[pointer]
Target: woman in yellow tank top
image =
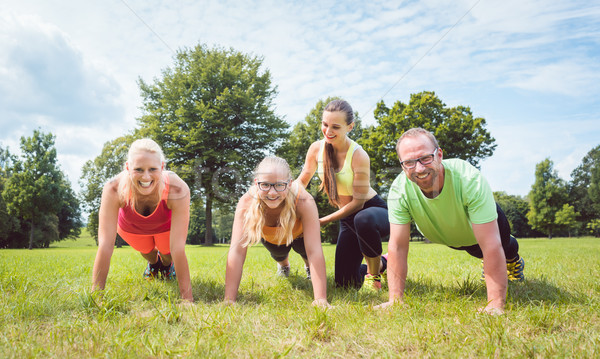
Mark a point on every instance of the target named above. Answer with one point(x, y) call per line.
point(344, 169)
point(282, 215)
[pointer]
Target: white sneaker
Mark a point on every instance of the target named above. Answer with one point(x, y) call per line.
point(283, 271)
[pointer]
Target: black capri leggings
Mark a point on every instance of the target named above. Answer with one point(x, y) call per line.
point(509, 243)
point(281, 252)
point(360, 235)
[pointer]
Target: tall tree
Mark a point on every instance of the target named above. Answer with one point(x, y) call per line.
point(294, 152)
point(459, 133)
point(9, 224)
point(547, 196)
point(37, 192)
point(566, 218)
point(212, 113)
point(95, 173)
point(585, 179)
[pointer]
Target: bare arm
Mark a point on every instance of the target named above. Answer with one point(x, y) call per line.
point(237, 253)
point(494, 265)
point(361, 187)
point(397, 265)
point(397, 268)
point(310, 165)
point(179, 203)
point(307, 211)
point(107, 233)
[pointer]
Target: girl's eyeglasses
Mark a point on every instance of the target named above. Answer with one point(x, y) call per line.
point(266, 186)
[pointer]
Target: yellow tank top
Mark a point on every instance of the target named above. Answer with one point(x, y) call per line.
point(345, 177)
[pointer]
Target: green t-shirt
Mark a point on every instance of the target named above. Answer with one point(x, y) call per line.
point(465, 198)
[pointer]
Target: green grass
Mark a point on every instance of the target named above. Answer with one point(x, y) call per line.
point(46, 309)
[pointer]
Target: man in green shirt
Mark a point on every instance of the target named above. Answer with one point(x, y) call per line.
point(451, 203)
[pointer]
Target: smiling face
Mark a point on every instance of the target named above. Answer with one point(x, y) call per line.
point(430, 177)
point(145, 170)
point(270, 174)
point(334, 126)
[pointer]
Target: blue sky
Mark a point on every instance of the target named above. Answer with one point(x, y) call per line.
point(530, 68)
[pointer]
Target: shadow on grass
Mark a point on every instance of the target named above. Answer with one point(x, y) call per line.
point(537, 290)
point(530, 291)
point(207, 291)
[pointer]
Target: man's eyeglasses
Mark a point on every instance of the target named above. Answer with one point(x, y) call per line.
point(425, 160)
point(266, 186)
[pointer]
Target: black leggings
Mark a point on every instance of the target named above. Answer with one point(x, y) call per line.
point(280, 253)
point(509, 243)
point(360, 235)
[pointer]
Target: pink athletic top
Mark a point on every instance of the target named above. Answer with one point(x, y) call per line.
point(158, 221)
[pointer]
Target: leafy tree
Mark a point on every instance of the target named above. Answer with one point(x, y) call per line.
point(582, 189)
point(594, 227)
point(197, 230)
point(9, 225)
point(294, 152)
point(459, 134)
point(224, 223)
point(96, 173)
point(212, 113)
point(566, 218)
point(547, 197)
point(36, 193)
point(594, 188)
point(516, 208)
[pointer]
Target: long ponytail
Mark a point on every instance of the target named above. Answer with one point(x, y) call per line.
point(329, 184)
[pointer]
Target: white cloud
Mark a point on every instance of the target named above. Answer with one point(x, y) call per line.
point(532, 55)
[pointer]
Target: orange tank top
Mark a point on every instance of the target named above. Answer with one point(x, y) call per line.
point(270, 233)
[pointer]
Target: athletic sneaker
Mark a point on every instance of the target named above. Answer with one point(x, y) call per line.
point(372, 283)
point(168, 272)
point(283, 271)
point(151, 271)
point(383, 269)
point(307, 269)
point(515, 270)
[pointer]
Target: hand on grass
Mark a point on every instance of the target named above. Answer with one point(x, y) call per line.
point(388, 305)
point(229, 302)
point(186, 303)
point(321, 303)
point(491, 310)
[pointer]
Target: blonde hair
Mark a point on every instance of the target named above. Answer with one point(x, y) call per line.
point(126, 193)
point(254, 220)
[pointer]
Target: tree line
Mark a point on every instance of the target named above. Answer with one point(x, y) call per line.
point(37, 205)
point(212, 112)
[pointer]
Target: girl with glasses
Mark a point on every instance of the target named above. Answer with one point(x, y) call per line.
point(344, 169)
point(149, 208)
point(283, 216)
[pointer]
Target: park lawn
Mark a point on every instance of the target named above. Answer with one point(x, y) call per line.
point(46, 309)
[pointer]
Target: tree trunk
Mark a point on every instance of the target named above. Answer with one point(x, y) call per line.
point(31, 235)
point(208, 234)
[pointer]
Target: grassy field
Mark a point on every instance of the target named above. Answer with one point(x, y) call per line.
point(46, 309)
